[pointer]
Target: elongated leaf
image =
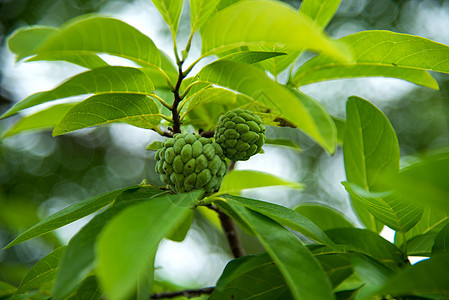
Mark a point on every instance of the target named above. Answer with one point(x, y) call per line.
point(79, 259)
point(264, 22)
point(302, 272)
point(428, 277)
point(26, 40)
point(170, 11)
point(320, 11)
point(200, 12)
point(42, 120)
point(421, 245)
point(370, 148)
point(397, 214)
point(238, 180)
point(180, 232)
point(43, 271)
point(441, 241)
point(284, 216)
point(247, 276)
point(302, 111)
point(68, 215)
point(426, 183)
point(369, 243)
point(336, 266)
point(208, 95)
point(324, 217)
point(289, 144)
point(105, 80)
point(102, 35)
point(251, 57)
point(432, 221)
point(124, 247)
point(133, 109)
point(381, 53)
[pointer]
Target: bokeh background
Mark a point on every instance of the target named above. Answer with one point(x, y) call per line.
point(40, 175)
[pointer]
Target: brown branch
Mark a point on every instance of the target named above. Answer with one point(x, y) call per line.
point(175, 114)
point(231, 232)
point(186, 293)
point(207, 134)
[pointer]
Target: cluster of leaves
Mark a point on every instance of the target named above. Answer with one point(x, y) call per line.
point(113, 255)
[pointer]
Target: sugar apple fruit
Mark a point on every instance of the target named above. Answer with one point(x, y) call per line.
point(188, 161)
point(240, 133)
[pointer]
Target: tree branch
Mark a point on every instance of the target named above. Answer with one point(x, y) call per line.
point(186, 293)
point(174, 110)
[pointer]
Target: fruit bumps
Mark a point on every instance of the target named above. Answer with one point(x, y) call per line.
point(240, 133)
point(188, 161)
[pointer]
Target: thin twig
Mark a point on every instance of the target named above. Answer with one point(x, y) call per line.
point(186, 293)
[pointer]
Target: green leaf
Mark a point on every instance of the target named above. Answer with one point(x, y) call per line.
point(441, 241)
point(238, 180)
point(43, 120)
point(88, 289)
point(320, 11)
point(428, 277)
point(264, 22)
point(208, 95)
point(284, 216)
point(381, 53)
point(301, 110)
point(79, 258)
point(6, 289)
point(134, 109)
point(102, 35)
point(421, 245)
point(106, 80)
point(252, 57)
point(426, 183)
point(432, 221)
point(284, 143)
point(397, 214)
point(368, 243)
point(26, 40)
point(336, 266)
point(170, 11)
point(302, 272)
point(247, 276)
point(324, 217)
point(180, 232)
point(154, 146)
point(126, 243)
point(370, 148)
point(68, 215)
point(43, 271)
point(200, 12)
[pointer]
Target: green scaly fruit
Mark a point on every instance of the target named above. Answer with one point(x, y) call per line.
point(240, 133)
point(189, 161)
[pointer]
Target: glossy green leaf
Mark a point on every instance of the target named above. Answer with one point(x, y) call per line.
point(247, 276)
point(381, 53)
point(88, 289)
point(93, 35)
point(133, 109)
point(79, 258)
point(284, 216)
point(336, 266)
point(170, 11)
point(156, 145)
point(43, 271)
point(397, 214)
point(421, 245)
point(208, 95)
point(26, 40)
point(180, 232)
point(368, 243)
point(238, 180)
point(428, 277)
point(370, 148)
point(68, 215)
point(126, 243)
point(441, 241)
point(105, 80)
point(324, 217)
point(200, 12)
point(426, 183)
point(43, 120)
point(6, 289)
point(284, 143)
point(264, 22)
point(302, 272)
point(301, 110)
point(432, 221)
point(320, 11)
point(279, 63)
point(252, 57)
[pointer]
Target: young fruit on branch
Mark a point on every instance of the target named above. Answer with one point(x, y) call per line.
point(240, 133)
point(189, 161)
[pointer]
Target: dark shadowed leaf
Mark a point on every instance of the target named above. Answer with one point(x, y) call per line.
point(441, 241)
point(89, 289)
point(324, 217)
